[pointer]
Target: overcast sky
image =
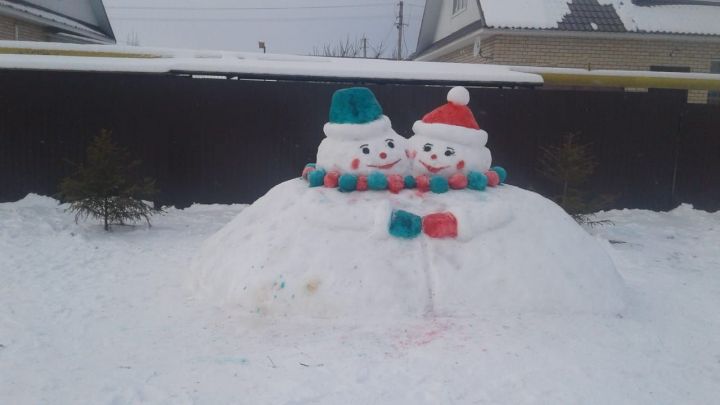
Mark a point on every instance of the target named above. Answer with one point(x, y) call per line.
point(287, 26)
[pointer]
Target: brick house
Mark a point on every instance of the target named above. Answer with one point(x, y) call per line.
point(75, 21)
point(658, 35)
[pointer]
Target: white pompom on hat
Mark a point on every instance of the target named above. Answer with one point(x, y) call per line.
point(453, 122)
point(459, 95)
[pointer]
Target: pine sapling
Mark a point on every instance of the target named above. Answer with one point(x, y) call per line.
point(569, 165)
point(106, 187)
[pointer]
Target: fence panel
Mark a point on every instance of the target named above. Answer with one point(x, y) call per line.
point(224, 141)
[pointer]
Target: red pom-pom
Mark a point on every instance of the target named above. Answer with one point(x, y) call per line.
point(307, 171)
point(423, 183)
point(331, 179)
point(493, 178)
point(440, 225)
point(396, 183)
point(458, 181)
point(361, 183)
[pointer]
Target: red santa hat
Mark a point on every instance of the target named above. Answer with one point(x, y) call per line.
point(453, 122)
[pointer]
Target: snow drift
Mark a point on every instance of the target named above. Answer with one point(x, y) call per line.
point(317, 252)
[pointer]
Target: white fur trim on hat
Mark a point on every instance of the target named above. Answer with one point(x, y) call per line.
point(452, 133)
point(357, 132)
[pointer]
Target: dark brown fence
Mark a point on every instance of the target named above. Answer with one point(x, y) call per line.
point(222, 141)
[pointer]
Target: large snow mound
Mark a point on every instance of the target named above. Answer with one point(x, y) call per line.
point(316, 252)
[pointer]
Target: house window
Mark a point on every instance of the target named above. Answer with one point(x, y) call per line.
point(714, 95)
point(459, 6)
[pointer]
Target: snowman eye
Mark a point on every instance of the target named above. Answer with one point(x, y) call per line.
point(390, 143)
point(449, 152)
point(427, 147)
point(365, 149)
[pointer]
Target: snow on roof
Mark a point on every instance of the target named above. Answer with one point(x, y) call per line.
point(49, 15)
point(669, 18)
point(524, 13)
point(687, 18)
point(114, 58)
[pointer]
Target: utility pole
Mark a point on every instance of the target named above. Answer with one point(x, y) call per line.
point(400, 31)
point(364, 47)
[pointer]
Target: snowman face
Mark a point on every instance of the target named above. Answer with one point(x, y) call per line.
point(387, 154)
point(379, 154)
point(434, 157)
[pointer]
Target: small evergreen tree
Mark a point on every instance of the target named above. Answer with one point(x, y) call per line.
point(569, 165)
point(105, 186)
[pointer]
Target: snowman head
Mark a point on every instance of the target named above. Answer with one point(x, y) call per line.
point(448, 140)
point(359, 138)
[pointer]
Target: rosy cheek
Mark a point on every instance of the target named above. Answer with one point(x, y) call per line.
point(461, 165)
point(355, 164)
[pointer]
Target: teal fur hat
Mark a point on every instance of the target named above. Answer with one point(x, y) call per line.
point(355, 114)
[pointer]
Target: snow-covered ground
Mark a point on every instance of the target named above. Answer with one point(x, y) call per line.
point(103, 318)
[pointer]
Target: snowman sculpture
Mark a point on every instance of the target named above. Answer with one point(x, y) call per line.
point(448, 152)
point(375, 231)
point(449, 144)
point(361, 150)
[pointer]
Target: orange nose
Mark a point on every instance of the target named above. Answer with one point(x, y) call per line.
point(433, 157)
point(383, 155)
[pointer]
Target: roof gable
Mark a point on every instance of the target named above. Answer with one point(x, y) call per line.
point(83, 17)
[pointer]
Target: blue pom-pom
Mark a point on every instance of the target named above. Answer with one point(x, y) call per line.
point(410, 182)
point(377, 181)
point(316, 178)
point(502, 173)
point(405, 225)
point(347, 182)
point(439, 185)
point(477, 181)
point(310, 165)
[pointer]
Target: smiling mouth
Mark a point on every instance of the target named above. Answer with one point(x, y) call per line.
point(433, 169)
point(385, 167)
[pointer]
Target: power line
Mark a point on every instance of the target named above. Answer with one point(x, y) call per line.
point(389, 31)
point(296, 18)
point(228, 8)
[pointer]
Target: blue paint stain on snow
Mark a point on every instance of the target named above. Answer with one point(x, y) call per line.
point(223, 360)
point(233, 360)
point(282, 285)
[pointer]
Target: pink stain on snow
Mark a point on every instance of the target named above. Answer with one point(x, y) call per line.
point(424, 335)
